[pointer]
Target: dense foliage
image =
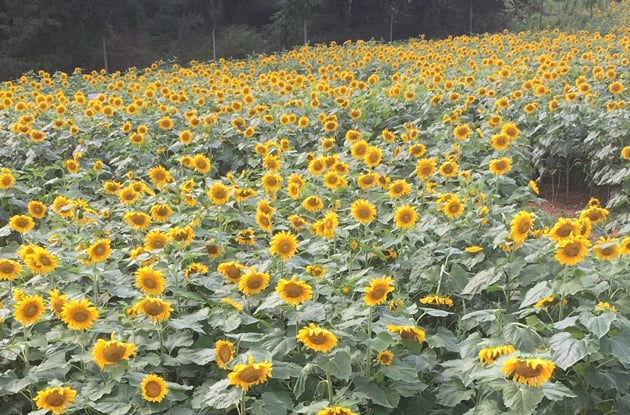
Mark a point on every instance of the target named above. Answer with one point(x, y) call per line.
point(338, 229)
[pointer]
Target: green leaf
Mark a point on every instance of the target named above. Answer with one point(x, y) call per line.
point(524, 338)
point(523, 400)
point(190, 321)
point(272, 403)
point(598, 325)
point(567, 350)
point(444, 338)
point(536, 293)
point(434, 312)
point(452, 393)
point(366, 389)
point(555, 391)
point(401, 373)
point(337, 365)
point(313, 408)
point(112, 407)
point(17, 385)
point(221, 396)
point(198, 356)
point(620, 346)
point(481, 281)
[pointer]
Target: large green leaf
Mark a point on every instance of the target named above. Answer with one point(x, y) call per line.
point(523, 400)
point(535, 293)
point(566, 350)
point(598, 325)
point(556, 391)
point(222, 396)
point(365, 388)
point(453, 392)
point(481, 281)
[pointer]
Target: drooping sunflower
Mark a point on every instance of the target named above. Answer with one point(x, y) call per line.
point(363, 211)
point(153, 388)
point(29, 309)
point(405, 217)
point(55, 399)
point(253, 282)
point(155, 239)
point(408, 332)
point(246, 237)
point(398, 188)
point(79, 315)
point(336, 410)
point(284, 244)
point(487, 355)
point(606, 249)
point(572, 250)
point(21, 223)
point(376, 292)
point(56, 301)
point(109, 352)
point(195, 268)
point(201, 163)
point(150, 281)
point(100, 250)
point(437, 300)
point(293, 291)
point(154, 308)
point(137, 220)
point(520, 226)
point(231, 271)
point(473, 249)
point(500, 166)
point(159, 176)
point(161, 212)
point(317, 338)
point(385, 358)
point(224, 353)
point(313, 204)
point(36, 209)
point(247, 375)
point(9, 269)
point(528, 371)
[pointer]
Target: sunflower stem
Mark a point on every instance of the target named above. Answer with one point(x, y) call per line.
point(25, 352)
point(369, 348)
point(330, 388)
point(563, 295)
point(95, 285)
point(242, 408)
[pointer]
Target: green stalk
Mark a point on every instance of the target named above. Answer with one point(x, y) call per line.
point(563, 295)
point(369, 348)
point(330, 388)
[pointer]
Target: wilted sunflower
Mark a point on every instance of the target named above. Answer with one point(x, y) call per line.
point(437, 300)
point(137, 220)
point(150, 281)
point(155, 239)
point(408, 332)
point(246, 375)
point(487, 355)
point(376, 292)
point(363, 211)
point(9, 269)
point(109, 352)
point(55, 399)
point(317, 338)
point(29, 309)
point(79, 315)
point(336, 410)
point(520, 226)
point(572, 250)
point(253, 282)
point(293, 291)
point(100, 250)
point(606, 248)
point(528, 371)
point(500, 166)
point(36, 209)
point(385, 358)
point(224, 353)
point(284, 244)
point(405, 217)
point(159, 176)
point(153, 388)
point(155, 308)
point(21, 223)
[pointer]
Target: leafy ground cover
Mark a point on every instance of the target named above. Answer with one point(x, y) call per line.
point(339, 229)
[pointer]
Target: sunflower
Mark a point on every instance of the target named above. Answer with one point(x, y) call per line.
point(520, 226)
point(312, 204)
point(150, 281)
point(36, 209)
point(128, 195)
point(100, 250)
point(155, 239)
point(39, 260)
point(109, 352)
point(368, 180)
point(29, 309)
point(545, 302)
point(154, 308)
point(264, 221)
point(165, 123)
point(385, 358)
point(137, 220)
point(606, 248)
point(500, 142)
point(315, 270)
point(461, 132)
point(373, 156)
point(426, 168)
point(332, 180)
point(153, 388)
point(316, 166)
point(253, 282)
point(21, 223)
point(595, 214)
point(224, 353)
point(625, 153)
point(201, 163)
point(9, 269)
point(363, 211)
point(112, 187)
point(284, 244)
point(317, 338)
point(336, 410)
point(325, 227)
point(56, 302)
point(407, 332)
point(294, 292)
point(246, 375)
point(500, 166)
point(453, 207)
point(376, 292)
point(603, 306)
point(487, 355)
point(359, 149)
point(510, 130)
point(79, 315)
point(572, 250)
point(624, 246)
point(195, 268)
point(398, 188)
point(161, 212)
point(449, 168)
point(184, 235)
point(437, 300)
point(159, 176)
point(6, 179)
point(55, 399)
point(405, 217)
point(564, 228)
point(534, 186)
point(185, 137)
point(231, 271)
point(529, 371)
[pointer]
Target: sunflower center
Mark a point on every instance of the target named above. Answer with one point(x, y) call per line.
point(80, 316)
point(254, 282)
point(447, 169)
point(153, 389)
point(55, 399)
point(405, 217)
point(285, 247)
point(501, 165)
point(564, 231)
point(249, 375)
point(378, 292)
point(6, 268)
point(114, 353)
point(319, 338)
point(233, 272)
point(225, 353)
point(99, 249)
point(527, 371)
point(453, 207)
point(523, 227)
point(149, 282)
point(293, 290)
point(153, 309)
point(607, 251)
point(572, 249)
point(31, 310)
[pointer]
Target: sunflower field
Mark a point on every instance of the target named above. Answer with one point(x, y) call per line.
point(335, 230)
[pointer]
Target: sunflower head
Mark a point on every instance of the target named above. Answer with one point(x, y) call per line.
point(376, 292)
point(293, 291)
point(109, 352)
point(247, 375)
point(284, 244)
point(79, 315)
point(153, 388)
point(317, 338)
point(528, 371)
point(55, 399)
point(224, 353)
point(29, 309)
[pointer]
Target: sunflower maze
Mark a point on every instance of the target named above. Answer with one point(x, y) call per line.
point(339, 229)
